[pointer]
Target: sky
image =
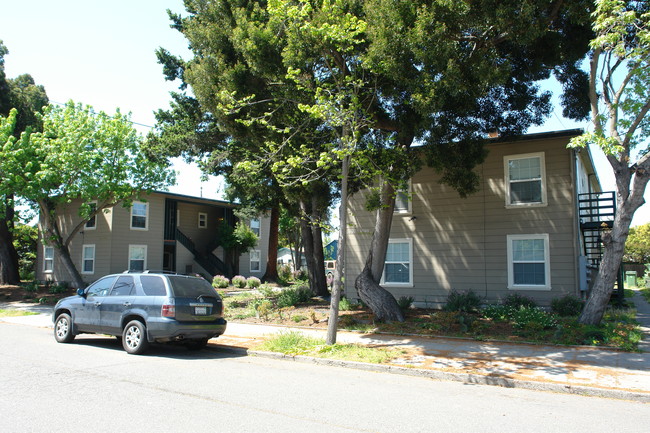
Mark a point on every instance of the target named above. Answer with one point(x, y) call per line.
point(102, 53)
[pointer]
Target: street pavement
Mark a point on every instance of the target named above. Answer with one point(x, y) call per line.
point(583, 370)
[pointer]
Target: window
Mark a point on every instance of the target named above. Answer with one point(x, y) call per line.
point(403, 199)
point(203, 220)
point(153, 286)
point(398, 270)
point(91, 224)
point(528, 262)
point(255, 260)
point(137, 257)
point(125, 286)
point(525, 179)
point(255, 226)
point(48, 259)
point(101, 287)
point(139, 215)
point(88, 259)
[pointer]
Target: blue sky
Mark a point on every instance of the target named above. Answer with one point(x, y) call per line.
point(102, 54)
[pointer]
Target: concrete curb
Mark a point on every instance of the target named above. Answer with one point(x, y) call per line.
point(472, 379)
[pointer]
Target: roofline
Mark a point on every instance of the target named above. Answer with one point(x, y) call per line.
point(193, 198)
point(539, 136)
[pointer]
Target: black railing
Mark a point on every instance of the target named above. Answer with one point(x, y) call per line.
point(596, 212)
point(208, 261)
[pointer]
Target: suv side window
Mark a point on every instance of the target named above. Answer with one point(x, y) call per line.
point(101, 287)
point(124, 286)
point(153, 286)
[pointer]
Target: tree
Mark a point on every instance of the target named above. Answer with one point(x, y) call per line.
point(637, 246)
point(79, 155)
point(619, 93)
point(24, 95)
point(25, 242)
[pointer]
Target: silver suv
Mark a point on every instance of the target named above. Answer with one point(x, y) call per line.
point(142, 308)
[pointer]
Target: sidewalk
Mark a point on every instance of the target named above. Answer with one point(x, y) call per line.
point(580, 370)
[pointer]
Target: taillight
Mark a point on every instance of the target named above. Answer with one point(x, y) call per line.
point(168, 310)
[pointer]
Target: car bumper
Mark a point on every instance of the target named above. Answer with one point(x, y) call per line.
point(171, 330)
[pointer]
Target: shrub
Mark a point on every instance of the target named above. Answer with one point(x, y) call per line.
point(291, 297)
point(345, 304)
point(566, 306)
point(466, 302)
point(405, 303)
point(59, 288)
point(220, 282)
point(502, 313)
point(239, 281)
point(266, 291)
point(253, 282)
point(532, 318)
point(516, 300)
point(31, 287)
point(284, 273)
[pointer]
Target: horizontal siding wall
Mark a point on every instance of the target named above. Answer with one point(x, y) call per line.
point(461, 243)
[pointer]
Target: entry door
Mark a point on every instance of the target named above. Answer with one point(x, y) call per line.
point(116, 304)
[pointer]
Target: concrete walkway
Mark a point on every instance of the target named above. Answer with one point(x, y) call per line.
point(643, 316)
point(581, 370)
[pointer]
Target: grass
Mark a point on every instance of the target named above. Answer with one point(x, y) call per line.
point(296, 343)
point(16, 313)
point(646, 294)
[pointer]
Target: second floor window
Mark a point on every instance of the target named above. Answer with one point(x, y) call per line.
point(139, 215)
point(255, 226)
point(48, 259)
point(203, 220)
point(525, 181)
point(91, 224)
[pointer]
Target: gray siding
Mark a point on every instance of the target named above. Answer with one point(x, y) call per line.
point(461, 243)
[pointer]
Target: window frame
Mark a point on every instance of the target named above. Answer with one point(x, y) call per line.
point(542, 165)
point(205, 220)
point(129, 260)
point(259, 227)
point(46, 259)
point(146, 216)
point(251, 261)
point(83, 259)
point(93, 219)
point(511, 262)
point(410, 283)
point(409, 200)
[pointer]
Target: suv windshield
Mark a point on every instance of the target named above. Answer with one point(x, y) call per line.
point(190, 287)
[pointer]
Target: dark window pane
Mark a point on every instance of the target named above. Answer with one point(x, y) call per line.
point(532, 274)
point(153, 286)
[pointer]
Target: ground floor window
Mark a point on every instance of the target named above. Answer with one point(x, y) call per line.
point(529, 262)
point(255, 260)
point(88, 259)
point(398, 268)
point(48, 259)
point(137, 258)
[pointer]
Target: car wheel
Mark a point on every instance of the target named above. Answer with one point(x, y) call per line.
point(63, 328)
point(196, 344)
point(134, 338)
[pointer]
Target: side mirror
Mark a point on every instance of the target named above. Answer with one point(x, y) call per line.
point(81, 292)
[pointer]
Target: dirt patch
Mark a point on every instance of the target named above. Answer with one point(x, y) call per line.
point(35, 294)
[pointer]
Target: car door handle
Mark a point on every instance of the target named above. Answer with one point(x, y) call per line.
point(97, 304)
point(127, 304)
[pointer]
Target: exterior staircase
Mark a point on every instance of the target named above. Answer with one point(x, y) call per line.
point(208, 261)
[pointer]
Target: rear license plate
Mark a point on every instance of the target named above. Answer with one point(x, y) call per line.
point(201, 311)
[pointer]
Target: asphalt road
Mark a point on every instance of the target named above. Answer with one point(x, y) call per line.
point(93, 386)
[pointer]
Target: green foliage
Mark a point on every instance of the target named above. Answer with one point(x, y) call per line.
point(637, 246)
point(517, 300)
point(241, 238)
point(346, 305)
point(567, 306)
point(220, 282)
point(253, 282)
point(59, 288)
point(25, 241)
point(529, 318)
point(292, 297)
point(32, 286)
point(405, 302)
point(285, 274)
point(239, 281)
point(466, 301)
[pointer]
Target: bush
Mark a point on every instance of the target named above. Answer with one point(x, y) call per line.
point(59, 288)
point(239, 281)
point(516, 300)
point(220, 282)
point(266, 291)
point(31, 287)
point(566, 306)
point(345, 304)
point(253, 282)
point(532, 319)
point(502, 313)
point(292, 297)
point(466, 302)
point(405, 303)
point(284, 273)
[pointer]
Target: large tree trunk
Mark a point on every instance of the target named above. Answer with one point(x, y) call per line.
point(379, 300)
point(319, 253)
point(271, 273)
point(317, 283)
point(9, 266)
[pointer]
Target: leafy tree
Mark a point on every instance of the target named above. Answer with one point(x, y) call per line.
point(619, 92)
point(25, 242)
point(236, 241)
point(24, 95)
point(82, 155)
point(637, 246)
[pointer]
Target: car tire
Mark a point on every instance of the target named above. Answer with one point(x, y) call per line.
point(196, 344)
point(63, 328)
point(134, 338)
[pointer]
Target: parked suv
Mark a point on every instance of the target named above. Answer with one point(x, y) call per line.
point(142, 308)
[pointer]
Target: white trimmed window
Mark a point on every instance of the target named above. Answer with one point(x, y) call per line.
point(91, 224)
point(398, 268)
point(403, 199)
point(88, 259)
point(255, 226)
point(137, 257)
point(525, 179)
point(255, 260)
point(203, 220)
point(48, 259)
point(529, 262)
point(139, 216)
